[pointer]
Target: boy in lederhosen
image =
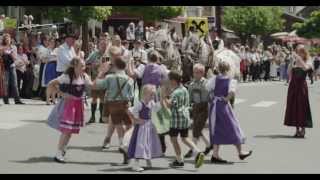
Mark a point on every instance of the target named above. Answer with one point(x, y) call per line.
point(199, 101)
point(119, 91)
point(93, 61)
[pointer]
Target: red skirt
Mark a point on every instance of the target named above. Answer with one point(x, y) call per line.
point(298, 113)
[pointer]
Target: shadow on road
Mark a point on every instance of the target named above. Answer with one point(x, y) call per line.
point(46, 159)
point(275, 136)
point(35, 121)
point(93, 149)
point(128, 169)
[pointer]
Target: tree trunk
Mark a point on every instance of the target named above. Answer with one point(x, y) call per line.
point(218, 20)
point(85, 37)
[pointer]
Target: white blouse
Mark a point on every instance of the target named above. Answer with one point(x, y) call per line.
point(212, 83)
point(135, 110)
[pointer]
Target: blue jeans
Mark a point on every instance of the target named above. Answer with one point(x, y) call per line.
point(11, 84)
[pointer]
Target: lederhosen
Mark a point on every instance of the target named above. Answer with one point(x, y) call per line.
point(199, 114)
point(94, 92)
point(118, 109)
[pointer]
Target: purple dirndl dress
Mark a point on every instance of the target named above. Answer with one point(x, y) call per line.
point(145, 142)
point(224, 128)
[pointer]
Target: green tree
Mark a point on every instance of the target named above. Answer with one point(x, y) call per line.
point(253, 20)
point(80, 15)
point(151, 13)
point(309, 28)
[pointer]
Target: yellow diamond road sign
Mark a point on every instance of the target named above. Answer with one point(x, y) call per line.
point(200, 25)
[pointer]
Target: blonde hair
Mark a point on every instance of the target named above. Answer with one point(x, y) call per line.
point(224, 67)
point(305, 53)
point(148, 88)
point(199, 66)
point(114, 50)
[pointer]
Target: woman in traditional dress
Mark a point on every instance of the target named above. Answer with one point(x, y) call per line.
point(50, 71)
point(224, 127)
point(298, 113)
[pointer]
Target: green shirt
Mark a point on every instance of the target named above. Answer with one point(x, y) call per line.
point(95, 58)
point(112, 88)
point(198, 91)
point(180, 108)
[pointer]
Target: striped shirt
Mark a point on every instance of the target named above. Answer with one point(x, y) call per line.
point(180, 108)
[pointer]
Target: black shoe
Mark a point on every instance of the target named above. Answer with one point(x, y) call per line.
point(189, 154)
point(101, 121)
point(243, 156)
point(19, 102)
point(125, 156)
point(6, 102)
point(92, 120)
point(176, 164)
point(219, 161)
point(207, 150)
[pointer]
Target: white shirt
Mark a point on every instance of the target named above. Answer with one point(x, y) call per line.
point(130, 34)
point(42, 53)
point(135, 110)
point(212, 83)
point(65, 55)
point(21, 62)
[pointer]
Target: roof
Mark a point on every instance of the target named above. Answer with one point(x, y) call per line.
point(297, 18)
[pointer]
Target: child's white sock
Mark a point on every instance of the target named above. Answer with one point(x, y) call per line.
point(179, 158)
point(120, 142)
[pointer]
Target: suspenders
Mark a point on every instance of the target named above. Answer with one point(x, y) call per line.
point(119, 93)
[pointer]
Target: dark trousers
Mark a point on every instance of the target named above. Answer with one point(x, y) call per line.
point(20, 77)
point(163, 142)
point(310, 74)
point(267, 70)
point(11, 84)
point(28, 78)
point(41, 91)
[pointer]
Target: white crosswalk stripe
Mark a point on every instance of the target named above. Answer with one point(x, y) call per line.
point(239, 101)
point(264, 104)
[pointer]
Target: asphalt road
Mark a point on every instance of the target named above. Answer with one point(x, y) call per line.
point(28, 144)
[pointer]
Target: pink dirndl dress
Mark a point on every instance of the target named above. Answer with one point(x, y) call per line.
point(68, 115)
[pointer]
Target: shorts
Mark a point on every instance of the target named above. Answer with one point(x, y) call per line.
point(199, 116)
point(98, 94)
point(119, 111)
point(173, 132)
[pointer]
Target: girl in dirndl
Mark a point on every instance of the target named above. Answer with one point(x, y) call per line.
point(145, 142)
point(224, 127)
point(68, 115)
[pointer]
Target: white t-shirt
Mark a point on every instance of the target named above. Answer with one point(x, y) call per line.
point(64, 79)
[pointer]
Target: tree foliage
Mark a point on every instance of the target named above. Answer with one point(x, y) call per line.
point(253, 20)
point(79, 14)
point(309, 28)
point(151, 13)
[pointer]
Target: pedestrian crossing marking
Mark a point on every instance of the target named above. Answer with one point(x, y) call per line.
point(264, 104)
point(238, 101)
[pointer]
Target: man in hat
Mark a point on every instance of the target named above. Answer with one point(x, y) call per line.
point(66, 53)
point(216, 41)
